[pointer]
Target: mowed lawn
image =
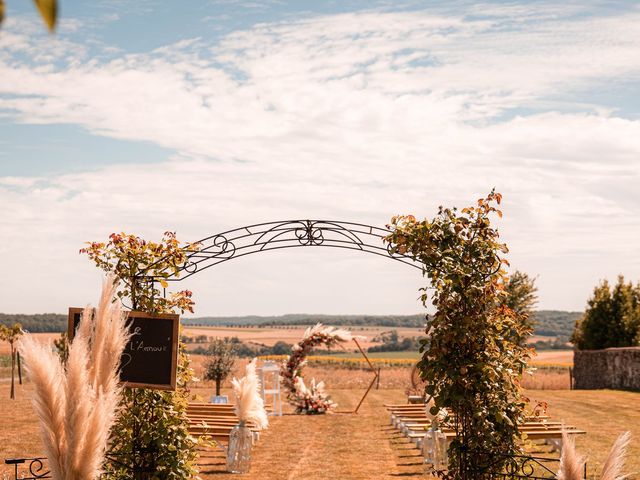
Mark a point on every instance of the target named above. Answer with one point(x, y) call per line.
point(362, 446)
point(604, 414)
point(545, 357)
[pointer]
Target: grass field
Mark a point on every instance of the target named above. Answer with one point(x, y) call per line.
point(300, 446)
point(395, 373)
point(292, 334)
point(398, 355)
point(552, 366)
point(559, 357)
point(604, 414)
point(361, 446)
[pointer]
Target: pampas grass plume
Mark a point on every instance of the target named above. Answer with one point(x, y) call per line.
point(614, 463)
point(79, 399)
point(571, 464)
point(249, 403)
point(44, 369)
point(76, 407)
point(340, 335)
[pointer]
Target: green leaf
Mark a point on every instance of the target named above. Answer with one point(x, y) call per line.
point(48, 11)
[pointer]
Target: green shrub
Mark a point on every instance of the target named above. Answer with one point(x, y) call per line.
point(612, 318)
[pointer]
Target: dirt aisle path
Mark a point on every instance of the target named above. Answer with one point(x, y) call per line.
point(324, 447)
point(333, 447)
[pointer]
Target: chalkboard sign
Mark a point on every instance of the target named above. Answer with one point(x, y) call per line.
point(151, 356)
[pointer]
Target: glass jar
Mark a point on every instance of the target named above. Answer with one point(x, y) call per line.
point(429, 446)
point(441, 456)
point(239, 451)
point(434, 449)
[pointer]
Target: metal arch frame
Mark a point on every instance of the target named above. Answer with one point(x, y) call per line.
point(261, 237)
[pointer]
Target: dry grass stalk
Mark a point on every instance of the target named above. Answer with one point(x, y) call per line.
point(44, 369)
point(571, 464)
point(78, 402)
point(613, 465)
point(76, 407)
point(249, 403)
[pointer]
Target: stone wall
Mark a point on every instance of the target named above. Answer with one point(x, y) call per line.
point(615, 368)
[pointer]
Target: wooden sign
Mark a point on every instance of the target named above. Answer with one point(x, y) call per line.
point(150, 358)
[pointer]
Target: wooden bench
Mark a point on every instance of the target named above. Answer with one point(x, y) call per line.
point(403, 417)
point(531, 434)
point(553, 437)
point(409, 428)
point(214, 421)
point(423, 426)
point(414, 420)
point(418, 410)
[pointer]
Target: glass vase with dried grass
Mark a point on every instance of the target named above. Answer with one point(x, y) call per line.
point(239, 451)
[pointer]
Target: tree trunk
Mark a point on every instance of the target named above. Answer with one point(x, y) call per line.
point(218, 381)
point(19, 368)
point(12, 395)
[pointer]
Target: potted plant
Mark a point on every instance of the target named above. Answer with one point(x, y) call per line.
point(220, 362)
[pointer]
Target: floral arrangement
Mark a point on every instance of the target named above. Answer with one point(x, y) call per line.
point(312, 399)
point(249, 404)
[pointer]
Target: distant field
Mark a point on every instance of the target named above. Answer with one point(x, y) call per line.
point(270, 335)
point(561, 357)
point(407, 355)
point(292, 334)
point(5, 349)
point(540, 338)
point(336, 446)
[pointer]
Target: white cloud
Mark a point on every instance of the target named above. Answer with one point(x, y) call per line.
point(353, 116)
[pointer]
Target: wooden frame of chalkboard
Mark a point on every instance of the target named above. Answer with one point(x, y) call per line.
point(150, 359)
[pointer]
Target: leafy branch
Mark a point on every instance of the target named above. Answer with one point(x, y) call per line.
point(48, 10)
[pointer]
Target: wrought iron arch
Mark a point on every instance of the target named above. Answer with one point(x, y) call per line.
point(262, 237)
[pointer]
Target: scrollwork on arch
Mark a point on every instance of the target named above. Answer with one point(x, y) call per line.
point(239, 242)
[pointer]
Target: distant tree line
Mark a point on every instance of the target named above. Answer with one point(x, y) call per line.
point(546, 322)
point(560, 343)
point(555, 323)
point(198, 339)
point(612, 318)
point(392, 343)
point(416, 321)
point(39, 322)
point(246, 350)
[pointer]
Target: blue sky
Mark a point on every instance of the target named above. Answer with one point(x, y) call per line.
point(204, 116)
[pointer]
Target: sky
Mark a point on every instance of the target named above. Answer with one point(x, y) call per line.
point(203, 116)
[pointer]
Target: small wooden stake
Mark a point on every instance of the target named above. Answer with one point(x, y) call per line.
point(376, 375)
point(19, 369)
point(12, 395)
